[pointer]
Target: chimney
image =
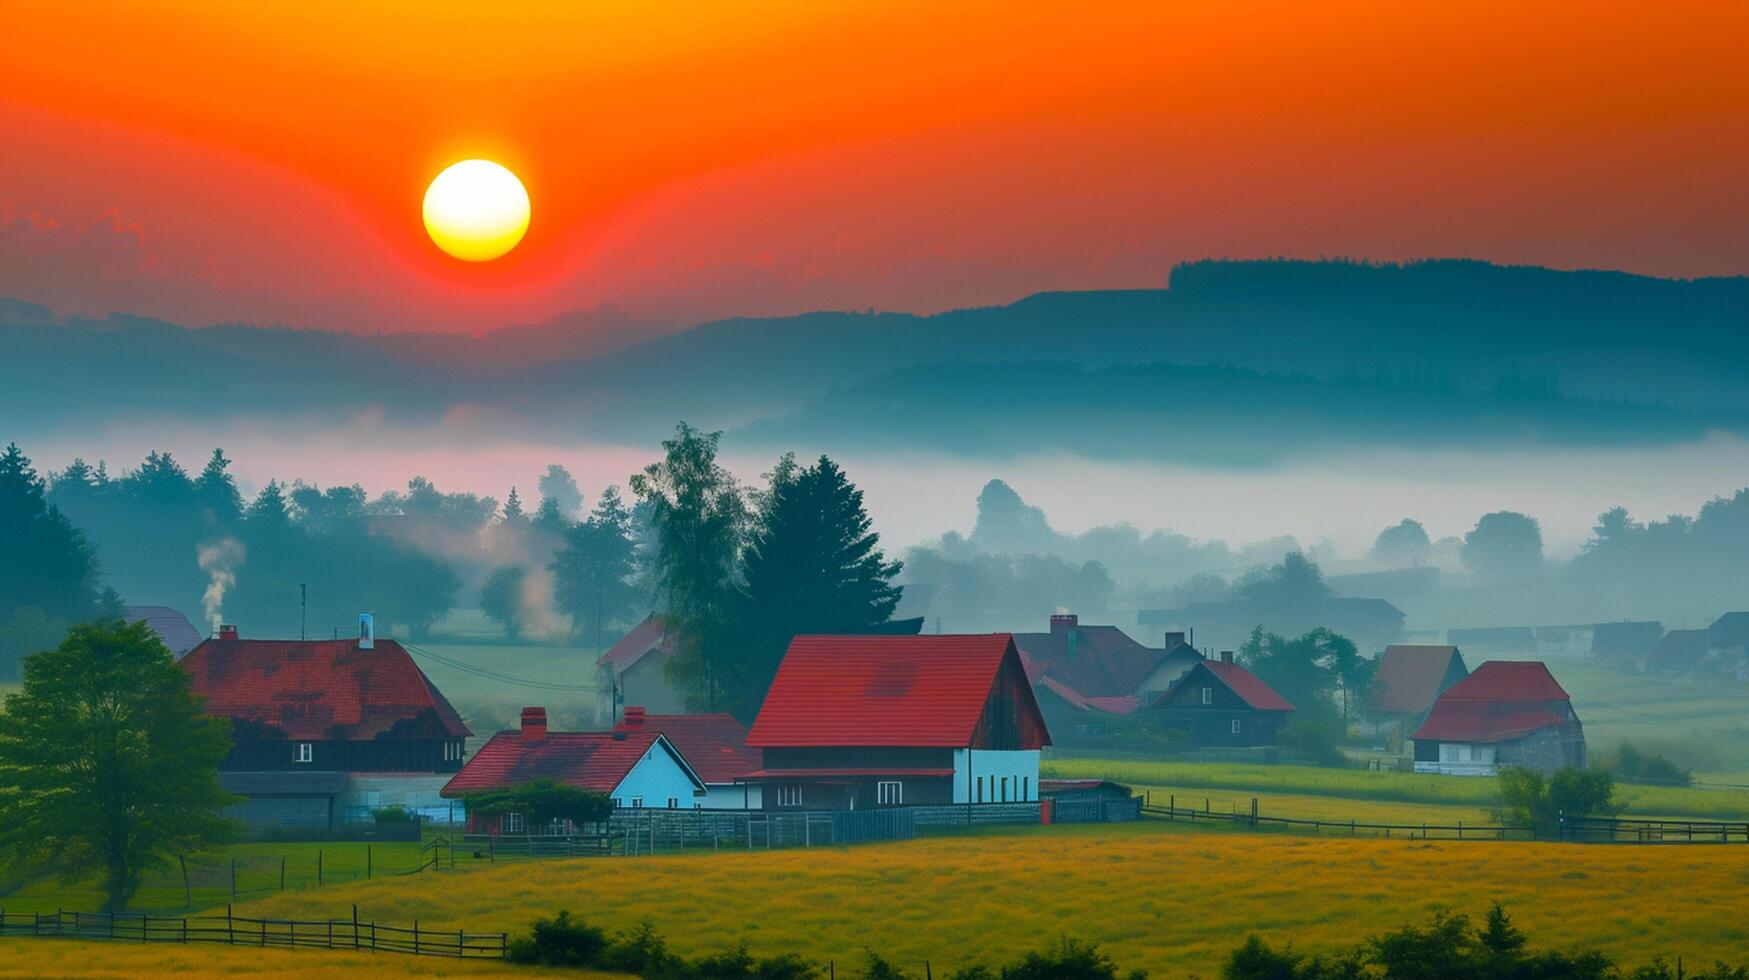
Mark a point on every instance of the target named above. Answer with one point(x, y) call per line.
point(367, 631)
point(1062, 623)
point(534, 724)
point(227, 631)
point(632, 720)
point(1226, 656)
point(1174, 640)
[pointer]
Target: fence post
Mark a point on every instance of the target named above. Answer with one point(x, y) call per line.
point(491, 850)
point(355, 925)
point(282, 874)
point(415, 937)
point(233, 879)
point(318, 867)
point(367, 861)
point(230, 928)
point(187, 899)
point(1253, 813)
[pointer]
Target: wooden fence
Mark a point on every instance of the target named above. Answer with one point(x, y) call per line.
point(235, 930)
point(1339, 828)
point(1616, 830)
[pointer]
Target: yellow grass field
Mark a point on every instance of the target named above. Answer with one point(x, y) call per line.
point(55, 958)
point(1169, 899)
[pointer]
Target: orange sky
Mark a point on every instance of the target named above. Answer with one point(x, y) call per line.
point(210, 160)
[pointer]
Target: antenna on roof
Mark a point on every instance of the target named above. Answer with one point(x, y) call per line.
point(303, 609)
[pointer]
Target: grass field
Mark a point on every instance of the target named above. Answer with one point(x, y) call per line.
point(1170, 899)
point(1322, 787)
point(57, 958)
point(258, 874)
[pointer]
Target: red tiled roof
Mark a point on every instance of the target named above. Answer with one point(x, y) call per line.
point(1258, 695)
point(1502, 700)
point(1105, 661)
point(171, 626)
point(714, 745)
point(885, 691)
point(320, 689)
point(651, 634)
point(1125, 705)
point(588, 760)
point(1408, 678)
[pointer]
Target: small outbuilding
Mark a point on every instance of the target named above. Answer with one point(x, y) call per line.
point(636, 768)
point(1507, 713)
point(1409, 678)
point(634, 668)
point(1089, 801)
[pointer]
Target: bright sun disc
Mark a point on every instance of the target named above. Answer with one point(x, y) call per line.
point(476, 210)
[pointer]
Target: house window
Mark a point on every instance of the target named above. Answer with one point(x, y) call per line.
point(673, 802)
point(1025, 788)
point(513, 823)
point(305, 752)
point(980, 782)
point(1208, 695)
point(1235, 726)
point(637, 801)
point(1005, 789)
point(890, 793)
point(789, 794)
point(452, 751)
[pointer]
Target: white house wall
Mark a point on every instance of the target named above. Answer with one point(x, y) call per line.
point(656, 778)
point(1020, 767)
point(731, 796)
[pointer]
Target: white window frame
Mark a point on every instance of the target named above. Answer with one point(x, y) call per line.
point(1235, 726)
point(1208, 695)
point(513, 822)
point(673, 802)
point(890, 792)
point(637, 802)
point(789, 794)
point(1005, 789)
point(305, 753)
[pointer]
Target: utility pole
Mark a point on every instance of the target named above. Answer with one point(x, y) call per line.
point(303, 608)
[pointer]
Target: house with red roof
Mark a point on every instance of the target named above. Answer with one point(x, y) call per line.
point(1408, 679)
point(634, 670)
point(1218, 703)
point(636, 766)
point(715, 745)
point(1082, 673)
point(322, 727)
point(1506, 713)
point(857, 722)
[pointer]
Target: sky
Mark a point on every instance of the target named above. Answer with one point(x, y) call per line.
point(213, 161)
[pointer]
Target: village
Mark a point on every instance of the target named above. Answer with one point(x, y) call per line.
point(944, 729)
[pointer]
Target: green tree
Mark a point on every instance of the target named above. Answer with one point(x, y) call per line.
point(217, 491)
point(543, 801)
point(107, 762)
point(48, 570)
point(1527, 797)
point(1504, 544)
point(699, 514)
point(592, 572)
point(813, 565)
point(558, 486)
point(1287, 597)
point(1403, 543)
point(501, 598)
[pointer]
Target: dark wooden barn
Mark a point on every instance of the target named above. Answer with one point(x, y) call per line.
point(1221, 704)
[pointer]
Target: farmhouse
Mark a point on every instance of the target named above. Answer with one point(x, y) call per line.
point(633, 668)
point(637, 767)
point(1728, 639)
point(1408, 680)
point(1507, 713)
point(358, 707)
point(1678, 652)
point(1219, 703)
point(1076, 670)
point(1625, 641)
point(873, 721)
point(1089, 801)
point(715, 746)
point(170, 626)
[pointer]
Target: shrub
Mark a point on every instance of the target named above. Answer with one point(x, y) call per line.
point(392, 814)
point(877, 967)
point(1630, 765)
point(559, 941)
point(1527, 797)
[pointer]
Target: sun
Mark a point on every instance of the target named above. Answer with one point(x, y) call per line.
point(476, 210)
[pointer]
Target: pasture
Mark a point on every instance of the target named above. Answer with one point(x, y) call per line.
point(1165, 897)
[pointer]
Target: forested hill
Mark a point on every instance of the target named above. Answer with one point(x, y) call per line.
point(1595, 336)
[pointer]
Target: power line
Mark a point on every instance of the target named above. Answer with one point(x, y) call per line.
point(493, 675)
